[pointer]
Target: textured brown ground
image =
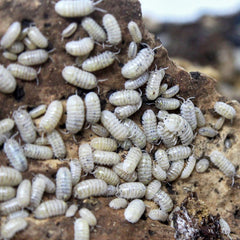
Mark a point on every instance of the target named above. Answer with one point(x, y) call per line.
point(212, 187)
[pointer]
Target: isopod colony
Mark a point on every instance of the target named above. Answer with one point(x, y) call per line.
point(141, 174)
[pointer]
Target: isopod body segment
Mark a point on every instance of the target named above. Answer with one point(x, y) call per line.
point(22, 72)
point(135, 32)
point(7, 81)
point(86, 157)
point(33, 57)
point(131, 190)
point(9, 176)
point(88, 216)
point(225, 110)
point(134, 211)
point(93, 107)
point(81, 229)
point(118, 203)
point(37, 37)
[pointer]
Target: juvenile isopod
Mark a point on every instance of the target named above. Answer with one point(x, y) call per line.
point(132, 50)
point(124, 97)
point(37, 37)
point(90, 187)
point(11, 35)
point(134, 211)
point(18, 214)
point(225, 110)
point(191, 162)
point(164, 201)
point(52, 117)
point(175, 170)
point(50, 185)
point(33, 57)
point(219, 123)
point(86, 214)
point(63, 184)
point(99, 130)
point(79, 78)
point(37, 152)
point(76, 169)
point(207, 132)
point(132, 160)
point(162, 159)
point(118, 169)
point(10, 206)
point(86, 157)
point(178, 152)
point(169, 93)
point(75, 114)
point(10, 56)
point(104, 144)
point(17, 47)
point(144, 169)
point(152, 188)
point(118, 203)
point(131, 190)
point(135, 32)
point(38, 111)
point(93, 107)
point(24, 193)
point(7, 81)
point(22, 72)
point(106, 158)
point(7, 193)
point(69, 30)
point(29, 44)
point(114, 126)
point(6, 125)
point(81, 229)
point(167, 103)
point(200, 117)
point(50, 208)
point(202, 165)
point(137, 83)
point(71, 211)
point(106, 174)
point(38, 188)
point(163, 88)
point(9, 176)
point(158, 215)
point(15, 155)
point(94, 30)
point(158, 172)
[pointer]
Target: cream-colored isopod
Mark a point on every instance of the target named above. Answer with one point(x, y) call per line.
point(93, 107)
point(81, 229)
point(138, 82)
point(33, 57)
point(99, 130)
point(131, 190)
point(38, 111)
point(7, 193)
point(38, 188)
point(135, 32)
point(134, 211)
point(76, 169)
point(7, 81)
point(106, 174)
point(152, 188)
point(191, 162)
point(37, 152)
point(17, 47)
point(50, 185)
point(163, 200)
point(104, 144)
point(24, 193)
point(144, 169)
point(132, 50)
point(86, 157)
point(132, 160)
point(37, 37)
point(22, 72)
point(71, 211)
point(88, 216)
point(118, 203)
point(106, 158)
point(9, 176)
point(125, 97)
point(10, 56)
point(69, 30)
point(118, 169)
point(6, 125)
point(10, 206)
point(225, 110)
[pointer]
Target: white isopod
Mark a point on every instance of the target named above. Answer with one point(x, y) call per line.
point(106, 174)
point(15, 155)
point(132, 160)
point(125, 97)
point(93, 107)
point(191, 162)
point(7, 81)
point(144, 169)
point(178, 152)
point(10, 56)
point(23, 34)
point(22, 72)
point(9, 176)
point(6, 125)
point(10, 206)
point(163, 88)
point(207, 132)
point(17, 47)
point(118, 169)
point(202, 165)
point(134, 210)
point(75, 114)
point(87, 215)
point(132, 50)
point(200, 117)
point(50, 185)
point(50, 208)
point(71, 211)
point(94, 30)
point(90, 187)
point(175, 170)
point(38, 188)
point(135, 32)
point(38, 111)
point(104, 144)
point(29, 44)
point(99, 130)
point(76, 169)
point(52, 117)
point(219, 123)
point(86, 157)
point(81, 229)
point(152, 188)
point(106, 158)
point(37, 37)
point(171, 92)
point(131, 190)
point(167, 103)
point(33, 57)
point(137, 83)
point(79, 78)
point(118, 203)
point(69, 30)
point(225, 110)
point(37, 152)
point(7, 193)
point(163, 200)
point(162, 159)
point(63, 184)
point(158, 172)
point(24, 193)
point(18, 214)
point(158, 215)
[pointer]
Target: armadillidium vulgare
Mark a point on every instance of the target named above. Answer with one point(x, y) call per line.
point(88, 216)
point(23, 72)
point(207, 132)
point(118, 169)
point(76, 169)
point(69, 30)
point(202, 165)
point(99, 130)
point(124, 97)
point(38, 111)
point(134, 210)
point(7, 193)
point(132, 159)
point(191, 162)
point(118, 203)
point(38, 188)
point(37, 37)
point(152, 188)
point(178, 152)
point(135, 32)
point(144, 169)
point(132, 50)
point(93, 107)
point(161, 158)
point(86, 157)
point(171, 92)
point(9, 176)
point(106, 158)
point(37, 152)
point(71, 211)
point(106, 174)
point(24, 193)
point(81, 229)
point(131, 190)
point(175, 170)
point(164, 201)
point(33, 57)
point(167, 103)
point(104, 144)
point(137, 83)
point(7, 81)
point(158, 215)
point(225, 110)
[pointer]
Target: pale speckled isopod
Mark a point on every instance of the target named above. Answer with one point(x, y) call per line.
point(158, 215)
point(81, 229)
point(169, 93)
point(132, 50)
point(7, 81)
point(219, 123)
point(38, 111)
point(99, 130)
point(80, 48)
point(18, 214)
point(191, 162)
point(152, 188)
point(134, 210)
point(90, 187)
point(164, 201)
point(162, 159)
point(15, 155)
point(6, 125)
point(118, 169)
point(37, 152)
point(17, 47)
point(106, 158)
point(50, 185)
point(113, 125)
point(163, 88)
point(225, 110)
point(11, 35)
point(37, 37)
point(93, 107)
point(63, 184)
point(132, 160)
point(158, 172)
point(71, 211)
point(200, 117)
point(202, 165)
point(137, 83)
point(131, 190)
point(104, 144)
point(79, 78)
point(76, 169)
point(24, 193)
point(7, 193)
point(124, 97)
point(10, 56)
point(10, 206)
point(144, 169)
point(135, 32)
point(88, 216)
point(178, 152)
point(86, 157)
point(29, 44)
point(69, 30)
point(50, 208)
point(167, 103)
point(33, 57)
point(75, 114)
point(94, 30)
point(118, 203)
point(9, 176)
point(38, 188)
point(106, 174)
point(22, 72)
point(175, 170)
point(9, 229)
point(207, 132)
point(52, 117)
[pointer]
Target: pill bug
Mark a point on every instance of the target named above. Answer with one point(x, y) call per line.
point(6, 125)
point(169, 93)
point(86, 157)
point(200, 117)
point(41, 141)
point(18, 214)
point(167, 103)
point(69, 30)
point(50, 185)
point(87, 215)
point(76, 169)
point(162, 159)
point(22, 72)
point(134, 210)
point(106, 158)
point(158, 172)
point(136, 83)
point(33, 57)
point(131, 190)
point(9, 229)
point(158, 215)
point(93, 107)
point(191, 162)
point(94, 30)
point(175, 170)
point(81, 229)
point(57, 144)
point(113, 125)
point(38, 111)
point(135, 32)
point(152, 188)
point(38, 188)
point(225, 110)
point(75, 114)
point(153, 83)
point(80, 48)
point(144, 169)
point(52, 117)
point(7, 193)
point(149, 123)
point(118, 203)
point(132, 50)
point(10, 56)
point(63, 184)
point(7, 81)
point(106, 174)
point(90, 187)
point(71, 211)
point(37, 152)
point(207, 132)
point(37, 37)
point(50, 208)
point(178, 152)
point(202, 165)
point(11, 35)
point(24, 193)
point(163, 88)
point(163, 200)
point(104, 144)
point(219, 123)
point(17, 47)
point(225, 228)
point(74, 8)
point(124, 97)
point(15, 155)
point(99, 130)
point(79, 78)
point(29, 44)
point(9, 176)
point(118, 169)
point(132, 160)
point(10, 206)
point(111, 191)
